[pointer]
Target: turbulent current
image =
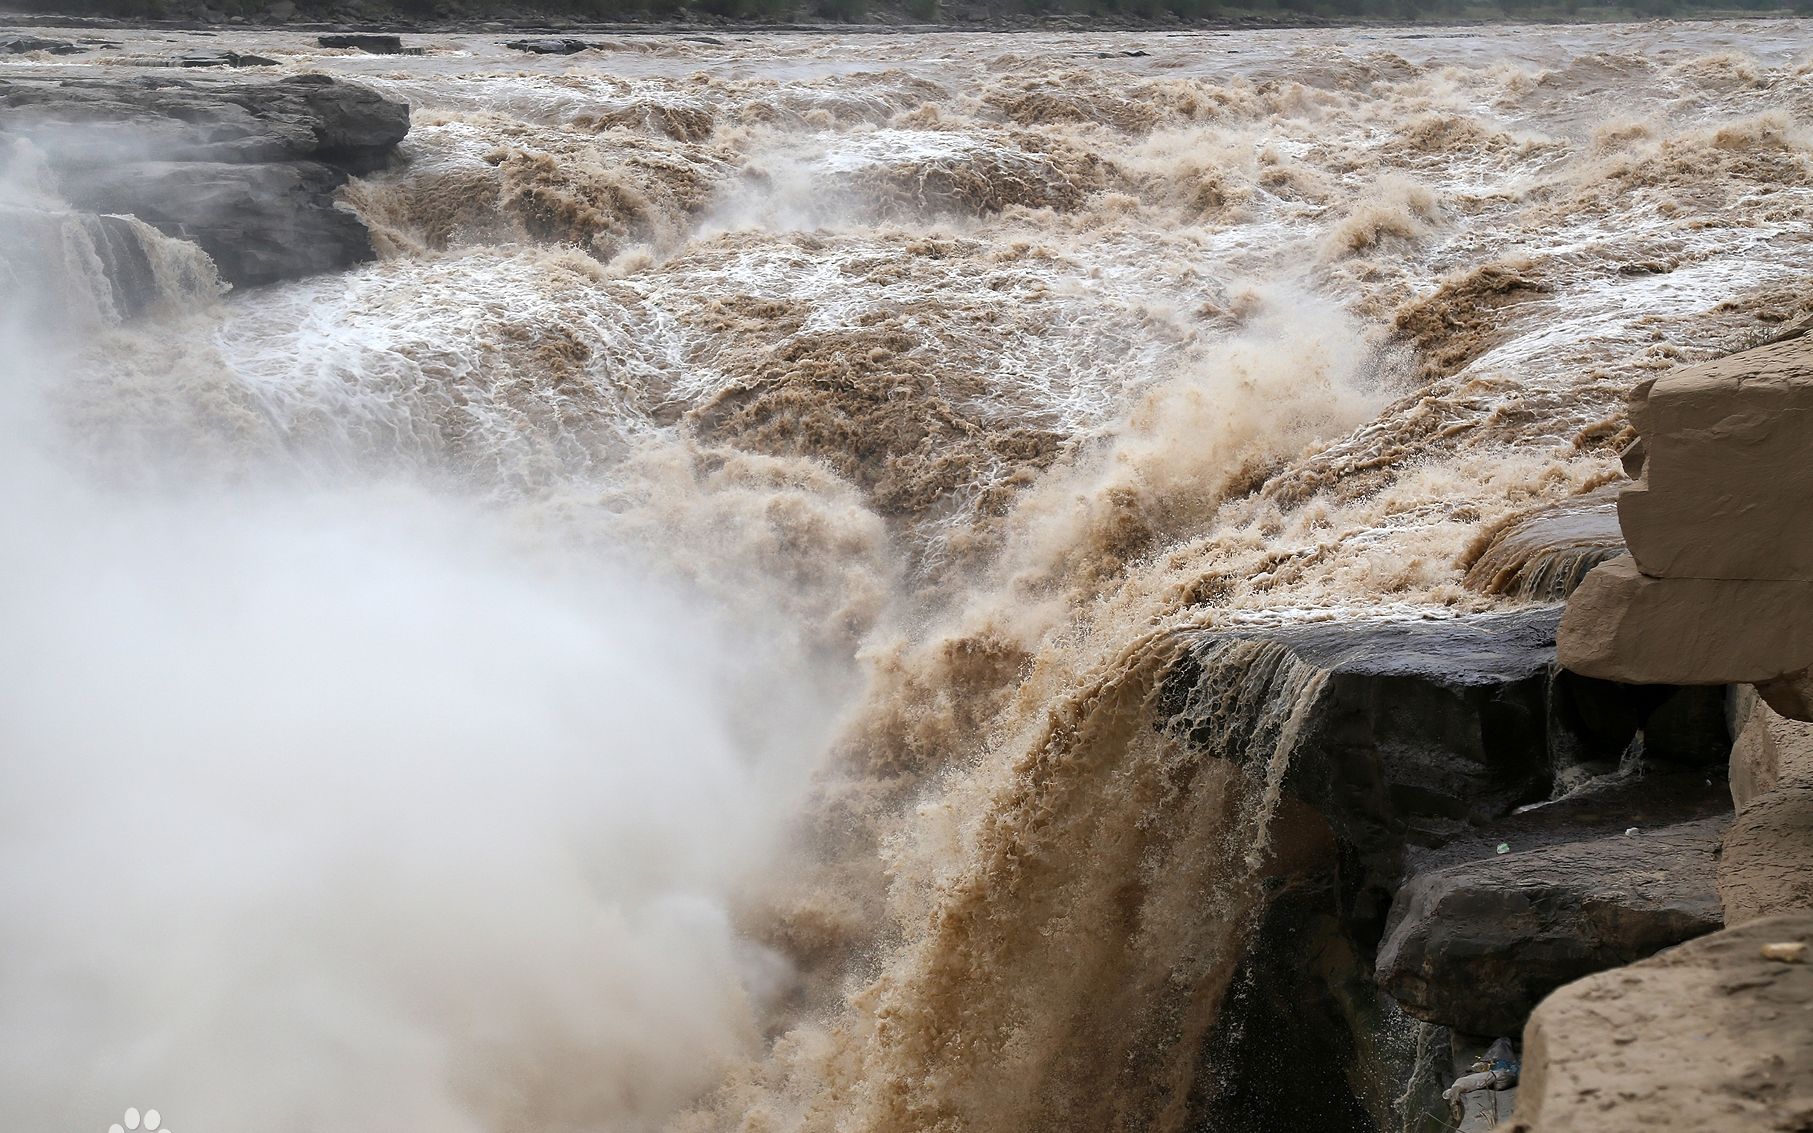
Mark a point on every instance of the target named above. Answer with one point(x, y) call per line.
point(677, 642)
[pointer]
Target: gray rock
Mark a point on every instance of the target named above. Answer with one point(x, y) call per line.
point(1476, 946)
point(79, 123)
point(247, 170)
point(258, 223)
point(20, 44)
point(1399, 731)
point(548, 45)
point(1408, 735)
point(370, 44)
point(224, 59)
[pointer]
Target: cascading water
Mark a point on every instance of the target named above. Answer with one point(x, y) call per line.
point(687, 639)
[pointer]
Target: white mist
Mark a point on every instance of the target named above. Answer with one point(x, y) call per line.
point(364, 809)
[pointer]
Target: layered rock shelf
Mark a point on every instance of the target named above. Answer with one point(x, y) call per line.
point(1476, 946)
point(1717, 590)
point(1596, 834)
point(1455, 809)
point(248, 170)
point(1718, 585)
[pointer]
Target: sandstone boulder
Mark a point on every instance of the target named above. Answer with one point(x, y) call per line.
point(1712, 1035)
point(1769, 750)
point(1623, 625)
point(1727, 486)
point(1476, 946)
point(1718, 585)
point(1767, 863)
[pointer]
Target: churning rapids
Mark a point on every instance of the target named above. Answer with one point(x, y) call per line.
point(674, 644)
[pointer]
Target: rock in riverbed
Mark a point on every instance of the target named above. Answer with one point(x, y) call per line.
point(549, 45)
point(370, 44)
point(1713, 1035)
point(1718, 585)
point(247, 170)
point(1476, 946)
point(21, 44)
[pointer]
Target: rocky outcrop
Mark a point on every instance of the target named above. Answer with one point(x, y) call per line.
point(258, 223)
point(246, 170)
point(1767, 864)
point(1623, 625)
point(368, 43)
point(1409, 746)
point(1718, 585)
point(1770, 750)
point(1417, 734)
point(22, 44)
point(223, 59)
point(1476, 946)
point(1725, 487)
point(549, 45)
point(1543, 555)
point(1712, 1035)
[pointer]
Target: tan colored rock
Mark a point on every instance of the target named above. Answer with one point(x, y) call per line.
point(1791, 695)
point(1727, 468)
point(1766, 865)
point(1709, 1037)
point(1623, 625)
point(1770, 749)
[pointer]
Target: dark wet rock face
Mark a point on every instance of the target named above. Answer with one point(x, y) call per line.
point(1476, 946)
point(224, 59)
point(1415, 730)
point(370, 44)
point(245, 169)
point(548, 45)
point(258, 223)
point(1544, 554)
point(1407, 751)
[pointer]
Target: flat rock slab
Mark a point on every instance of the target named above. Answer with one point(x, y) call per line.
point(1458, 652)
point(82, 123)
point(370, 44)
point(1624, 625)
point(549, 45)
point(1476, 946)
point(1709, 1037)
point(246, 169)
point(21, 44)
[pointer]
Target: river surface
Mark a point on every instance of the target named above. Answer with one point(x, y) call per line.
point(672, 643)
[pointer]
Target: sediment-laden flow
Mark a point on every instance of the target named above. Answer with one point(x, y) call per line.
point(988, 369)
